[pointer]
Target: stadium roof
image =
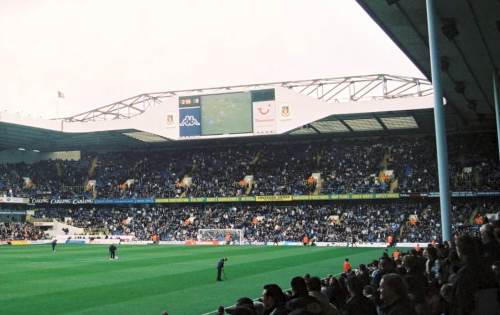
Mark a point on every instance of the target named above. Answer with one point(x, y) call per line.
point(346, 95)
point(469, 43)
point(21, 133)
point(14, 136)
point(388, 122)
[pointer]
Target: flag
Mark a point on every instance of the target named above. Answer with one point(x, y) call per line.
point(60, 94)
point(28, 183)
point(413, 219)
point(129, 182)
point(93, 166)
point(185, 182)
point(90, 185)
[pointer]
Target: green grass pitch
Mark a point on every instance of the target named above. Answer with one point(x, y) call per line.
point(150, 279)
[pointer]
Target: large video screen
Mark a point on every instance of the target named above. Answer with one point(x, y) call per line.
point(226, 113)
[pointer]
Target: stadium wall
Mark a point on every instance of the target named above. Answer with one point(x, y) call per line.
point(127, 240)
point(243, 199)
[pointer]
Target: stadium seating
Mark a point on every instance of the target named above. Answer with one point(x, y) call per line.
point(395, 164)
point(365, 222)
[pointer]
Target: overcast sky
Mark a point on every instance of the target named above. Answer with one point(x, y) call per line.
point(100, 51)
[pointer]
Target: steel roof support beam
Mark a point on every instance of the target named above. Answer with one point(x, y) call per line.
point(381, 122)
point(314, 128)
point(377, 84)
point(333, 88)
point(439, 121)
point(356, 92)
point(346, 125)
point(497, 108)
point(360, 87)
point(339, 91)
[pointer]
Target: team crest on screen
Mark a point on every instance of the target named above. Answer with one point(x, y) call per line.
point(285, 111)
point(170, 120)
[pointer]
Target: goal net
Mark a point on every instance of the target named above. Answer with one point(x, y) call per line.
point(224, 236)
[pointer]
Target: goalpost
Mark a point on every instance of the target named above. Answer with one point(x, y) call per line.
point(224, 236)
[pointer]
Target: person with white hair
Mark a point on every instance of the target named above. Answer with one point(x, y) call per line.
point(491, 248)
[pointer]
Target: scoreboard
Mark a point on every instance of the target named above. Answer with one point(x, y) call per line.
point(219, 114)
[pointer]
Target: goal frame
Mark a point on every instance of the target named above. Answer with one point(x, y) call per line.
point(210, 235)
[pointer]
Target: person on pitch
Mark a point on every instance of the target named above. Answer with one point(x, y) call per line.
point(112, 251)
point(220, 268)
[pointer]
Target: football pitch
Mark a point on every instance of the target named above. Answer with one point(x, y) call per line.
point(145, 280)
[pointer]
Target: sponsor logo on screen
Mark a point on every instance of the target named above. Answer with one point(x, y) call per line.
point(190, 121)
point(264, 117)
point(264, 110)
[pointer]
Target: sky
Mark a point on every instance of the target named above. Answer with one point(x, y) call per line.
point(97, 52)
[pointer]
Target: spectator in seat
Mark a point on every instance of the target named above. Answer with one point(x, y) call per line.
point(471, 278)
point(368, 292)
point(415, 273)
point(338, 294)
point(385, 266)
point(363, 275)
point(491, 248)
point(274, 300)
point(300, 299)
point(394, 294)
point(358, 304)
point(314, 287)
point(244, 306)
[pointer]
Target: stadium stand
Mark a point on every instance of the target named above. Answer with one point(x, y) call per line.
point(364, 222)
point(373, 165)
point(19, 231)
point(392, 164)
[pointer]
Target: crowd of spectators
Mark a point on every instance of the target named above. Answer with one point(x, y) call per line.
point(406, 221)
point(404, 164)
point(452, 278)
point(20, 231)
